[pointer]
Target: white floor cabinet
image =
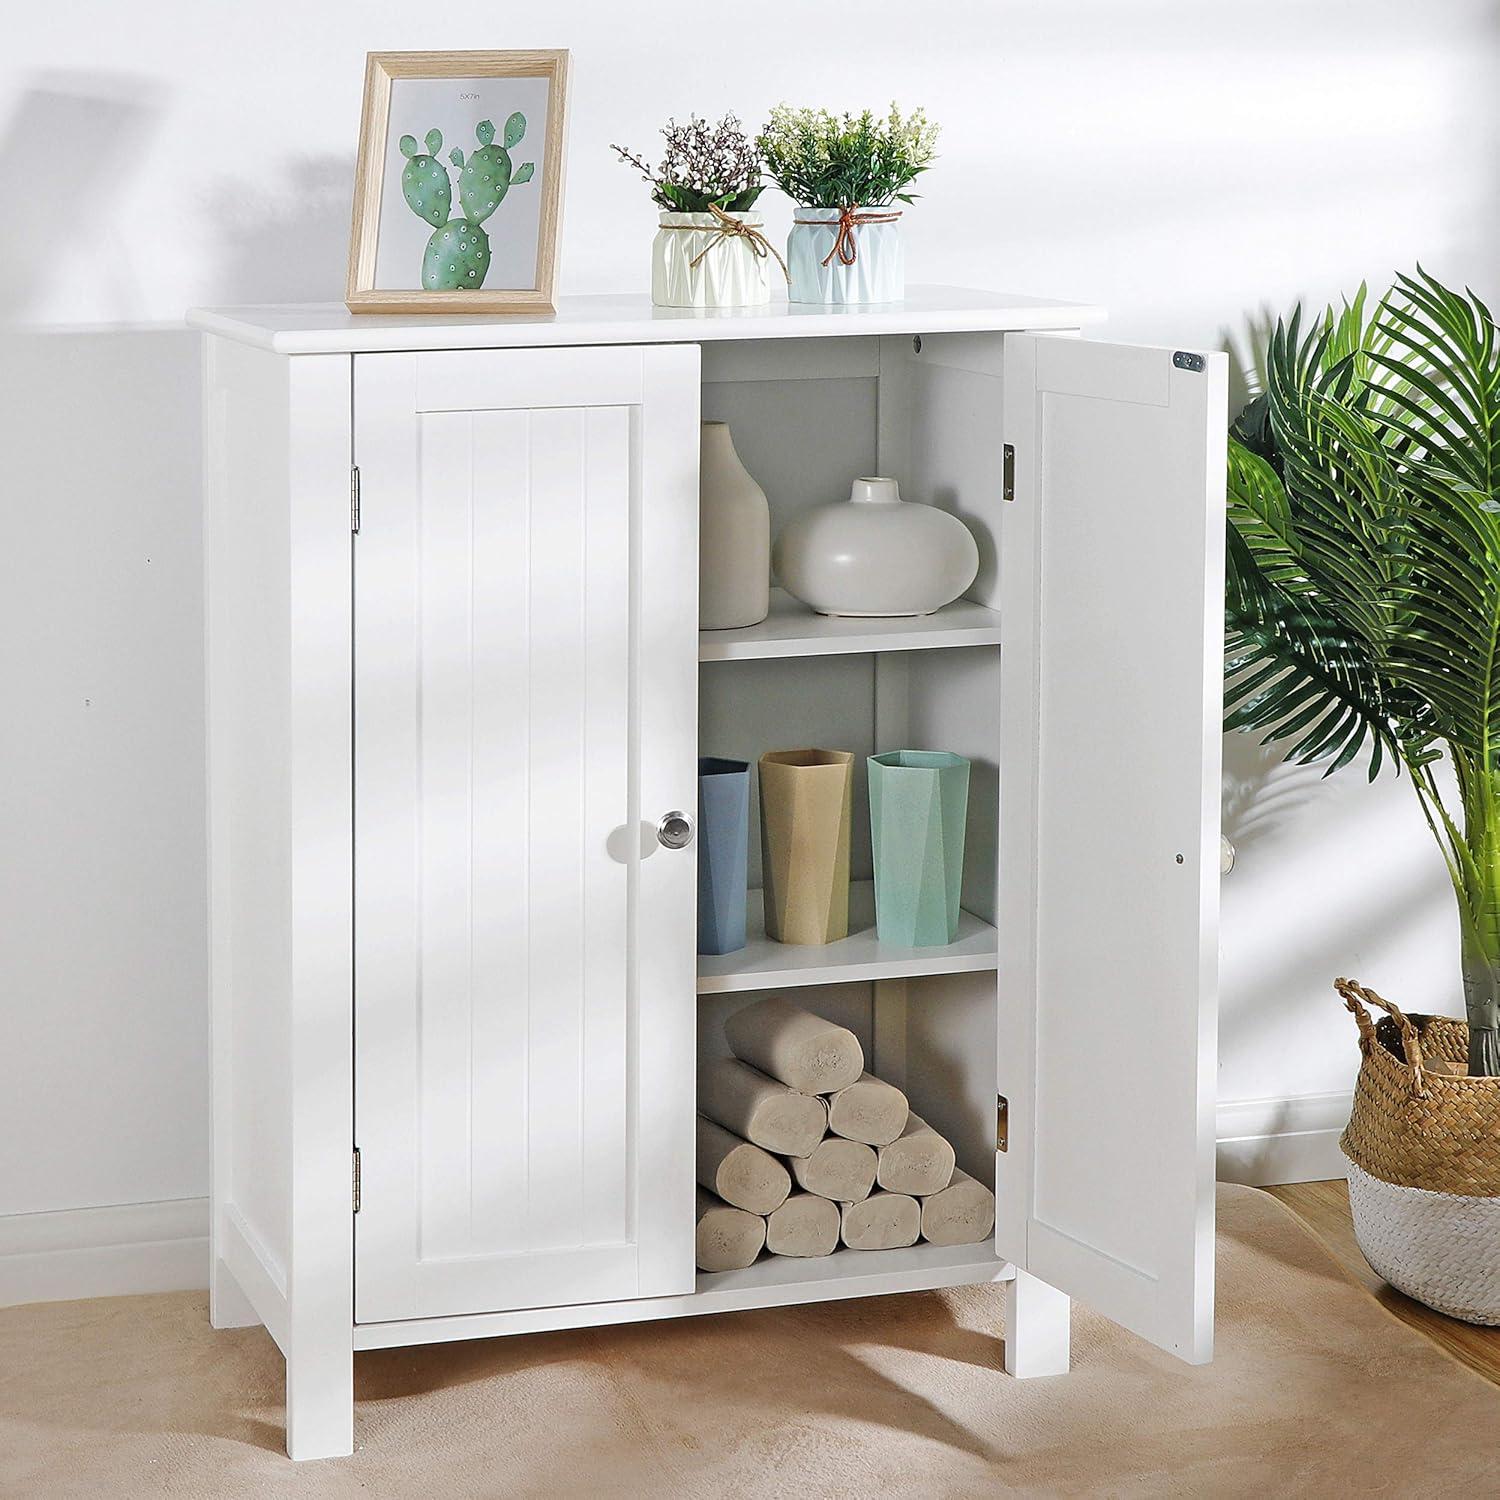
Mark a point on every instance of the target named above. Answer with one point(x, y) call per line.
point(456, 682)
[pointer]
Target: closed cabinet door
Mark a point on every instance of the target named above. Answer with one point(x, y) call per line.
point(525, 712)
point(1112, 602)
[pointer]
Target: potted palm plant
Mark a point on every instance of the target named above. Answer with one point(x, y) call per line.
point(1363, 626)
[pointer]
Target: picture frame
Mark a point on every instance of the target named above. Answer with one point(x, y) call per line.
point(453, 147)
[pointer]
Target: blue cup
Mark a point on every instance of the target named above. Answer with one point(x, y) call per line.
point(723, 853)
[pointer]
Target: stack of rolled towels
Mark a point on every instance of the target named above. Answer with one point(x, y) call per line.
point(801, 1150)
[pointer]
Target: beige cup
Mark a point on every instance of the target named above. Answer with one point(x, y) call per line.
point(806, 801)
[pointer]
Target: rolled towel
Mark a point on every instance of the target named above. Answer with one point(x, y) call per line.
point(884, 1221)
point(803, 1225)
point(869, 1111)
point(838, 1169)
point(802, 1050)
point(963, 1213)
point(759, 1109)
point(919, 1161)
point(742, 1174)
point(728, 1239)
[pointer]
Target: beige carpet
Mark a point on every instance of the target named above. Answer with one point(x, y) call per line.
point(1316, 1391)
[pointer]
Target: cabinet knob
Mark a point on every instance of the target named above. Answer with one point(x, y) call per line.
point(675, 831)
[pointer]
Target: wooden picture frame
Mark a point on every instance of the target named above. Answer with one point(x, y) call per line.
point(465, 89)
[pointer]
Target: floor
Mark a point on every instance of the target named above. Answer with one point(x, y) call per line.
point(1314, 1390)
point(1324, 1208)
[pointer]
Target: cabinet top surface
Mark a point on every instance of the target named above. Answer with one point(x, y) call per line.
point(330, 328)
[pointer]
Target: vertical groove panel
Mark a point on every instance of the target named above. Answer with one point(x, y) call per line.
point(444, 771)
point(502, 551)
point(605, 1062)
point(555, 648)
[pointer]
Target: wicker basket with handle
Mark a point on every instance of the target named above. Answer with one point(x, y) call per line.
point(1424, 1161)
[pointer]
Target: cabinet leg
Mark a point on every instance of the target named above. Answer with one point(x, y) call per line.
point(1037, 1331)
point(228, 1306)
point(320, 1401)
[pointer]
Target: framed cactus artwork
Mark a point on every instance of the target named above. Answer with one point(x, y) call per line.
point(459, 183)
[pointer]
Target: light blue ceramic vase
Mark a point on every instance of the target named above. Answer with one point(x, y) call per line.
point(919, 803)
point(841, 257)
point(723, 853)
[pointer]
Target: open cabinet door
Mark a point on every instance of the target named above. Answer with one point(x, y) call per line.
point(1112, 606)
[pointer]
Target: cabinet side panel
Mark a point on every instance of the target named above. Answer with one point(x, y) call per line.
point(943, 431)
point(246, 545)
point(320, 1272)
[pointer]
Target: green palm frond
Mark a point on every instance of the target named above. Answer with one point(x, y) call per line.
point(1293, 671)
point(1363, 604)
point(1441, 383)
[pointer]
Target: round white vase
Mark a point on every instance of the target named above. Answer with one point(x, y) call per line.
point(874, 554)
point(734, 537)
point(728, 272)
point(876, 274)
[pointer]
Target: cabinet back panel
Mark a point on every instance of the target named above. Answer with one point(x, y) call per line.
point(748, 707)
point(956, 455)
point(802, 440)
point(951, 701)
point(947, 1028)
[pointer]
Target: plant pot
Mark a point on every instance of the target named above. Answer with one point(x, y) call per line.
point(919, 804)
point(846, 257)
point(875, 554)
point(1424, 1162)
point(723, 853)
point(695, 264)
point(734, 537)
point(806, 798)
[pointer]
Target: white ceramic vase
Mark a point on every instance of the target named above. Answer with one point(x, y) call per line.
point(734, 537)
point(876, 274)
point(874, 554)
point(728, 272)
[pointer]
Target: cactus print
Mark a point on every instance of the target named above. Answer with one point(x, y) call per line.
point(458, 250)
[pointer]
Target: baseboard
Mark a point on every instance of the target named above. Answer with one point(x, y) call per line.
point(104, 1252)
point(1267, 1141)
point(163, 1247)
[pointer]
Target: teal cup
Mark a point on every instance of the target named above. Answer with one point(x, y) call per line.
point(919, 803)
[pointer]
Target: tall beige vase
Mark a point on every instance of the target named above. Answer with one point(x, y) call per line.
point(806, 798)
point(734, 537)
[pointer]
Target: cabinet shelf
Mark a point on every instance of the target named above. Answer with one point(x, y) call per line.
point(779, 1279)
point(792, 629)
point(763, 964)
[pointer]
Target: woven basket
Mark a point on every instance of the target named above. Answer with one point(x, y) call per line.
point(1424, 1154)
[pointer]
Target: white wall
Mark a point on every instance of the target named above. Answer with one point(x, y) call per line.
point(1182, 163)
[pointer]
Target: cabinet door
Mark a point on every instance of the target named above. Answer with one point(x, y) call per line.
point(525, 711)
point(1112, 607)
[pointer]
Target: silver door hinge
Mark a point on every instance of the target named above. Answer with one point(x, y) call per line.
point(355, 1182)
point(1008, 474)
point(354, 499)
point(1002, 1123)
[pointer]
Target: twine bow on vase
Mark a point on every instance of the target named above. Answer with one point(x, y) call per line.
point(731, 228)
point(844, 239)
